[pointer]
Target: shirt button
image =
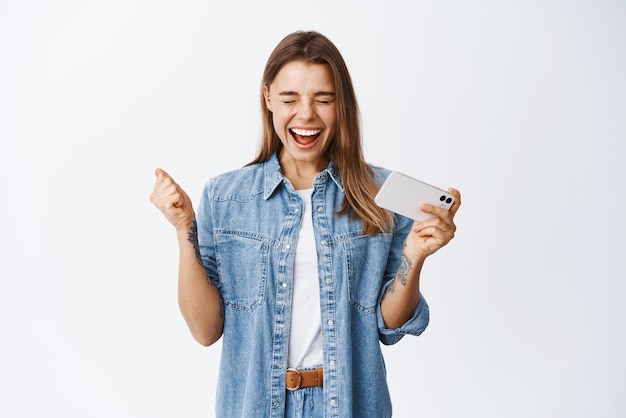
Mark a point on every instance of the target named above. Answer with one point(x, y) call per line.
point(276, 403)
point(333, 402)
point(332, 363)
point(280, 365)
point(328, 281)
point(323, 242)
point(287, 246)
point(330, 322)
point(282, 325)
point(319, 208)
point(284, 285)
point(296, 210)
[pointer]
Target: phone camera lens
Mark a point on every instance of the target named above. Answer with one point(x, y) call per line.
point(449, 200)
point(442, 198)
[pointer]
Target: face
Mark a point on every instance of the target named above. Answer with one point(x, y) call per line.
point(302, 101)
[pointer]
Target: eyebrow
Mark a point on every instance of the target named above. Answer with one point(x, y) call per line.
point(319, 93)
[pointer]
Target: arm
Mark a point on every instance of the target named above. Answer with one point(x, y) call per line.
point(424, 239)
point(200, 302)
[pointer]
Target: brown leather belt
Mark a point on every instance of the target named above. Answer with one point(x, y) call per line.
point(297, 379)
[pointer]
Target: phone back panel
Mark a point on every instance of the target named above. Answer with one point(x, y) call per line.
point(403, 195)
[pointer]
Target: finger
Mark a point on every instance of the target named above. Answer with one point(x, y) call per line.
point(457, 200)
point(162, 174)
point(433, 210)
point(164, 187)
point(165, 184)
point(436, 234)
point(434, 226)
point(168, 201)
point(443, 235)
point(440, 214)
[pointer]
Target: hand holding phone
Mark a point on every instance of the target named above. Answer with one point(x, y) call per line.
point(404, 195)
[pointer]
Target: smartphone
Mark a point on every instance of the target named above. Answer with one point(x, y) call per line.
point(403, 195)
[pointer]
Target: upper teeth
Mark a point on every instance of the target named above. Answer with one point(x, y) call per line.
point(306, 132)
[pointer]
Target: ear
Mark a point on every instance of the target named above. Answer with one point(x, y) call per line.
point(266, 95)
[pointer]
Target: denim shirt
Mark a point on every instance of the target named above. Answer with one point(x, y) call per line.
point(248, 223)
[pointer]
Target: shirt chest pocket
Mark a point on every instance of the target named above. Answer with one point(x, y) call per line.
point(242, 265)
point(366, 258)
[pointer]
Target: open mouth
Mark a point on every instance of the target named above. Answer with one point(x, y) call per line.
point(305, 137)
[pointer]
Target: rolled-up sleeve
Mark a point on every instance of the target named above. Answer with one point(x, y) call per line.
point(414, 326)
point(206, 242)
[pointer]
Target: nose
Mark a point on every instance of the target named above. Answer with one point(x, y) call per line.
point(306, 111)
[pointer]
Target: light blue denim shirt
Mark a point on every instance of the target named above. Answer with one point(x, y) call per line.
point(248, 223)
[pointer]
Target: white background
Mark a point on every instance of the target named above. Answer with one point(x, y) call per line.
point(519, 104)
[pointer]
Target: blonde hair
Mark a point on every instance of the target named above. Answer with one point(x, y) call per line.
point(345, 150)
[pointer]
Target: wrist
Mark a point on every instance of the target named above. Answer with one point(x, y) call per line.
point(416, 260)
point(184, 229)
point(414, 252)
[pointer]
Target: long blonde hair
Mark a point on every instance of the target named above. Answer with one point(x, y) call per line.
point(345, 150)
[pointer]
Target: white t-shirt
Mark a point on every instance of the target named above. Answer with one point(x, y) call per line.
point(305, 335)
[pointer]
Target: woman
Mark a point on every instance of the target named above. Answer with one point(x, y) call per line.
point(290, 260)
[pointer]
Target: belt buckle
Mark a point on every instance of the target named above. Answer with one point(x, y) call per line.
point(297, 372)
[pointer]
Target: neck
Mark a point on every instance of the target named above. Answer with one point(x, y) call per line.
point(301, 173)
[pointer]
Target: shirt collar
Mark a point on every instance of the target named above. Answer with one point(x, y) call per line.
point(274, 177)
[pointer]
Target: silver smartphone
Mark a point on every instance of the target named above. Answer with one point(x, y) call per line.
point(403, 195)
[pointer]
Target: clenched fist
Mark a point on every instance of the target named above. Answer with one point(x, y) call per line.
point(173, 201)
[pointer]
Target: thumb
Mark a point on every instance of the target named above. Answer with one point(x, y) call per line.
point(159, 172)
